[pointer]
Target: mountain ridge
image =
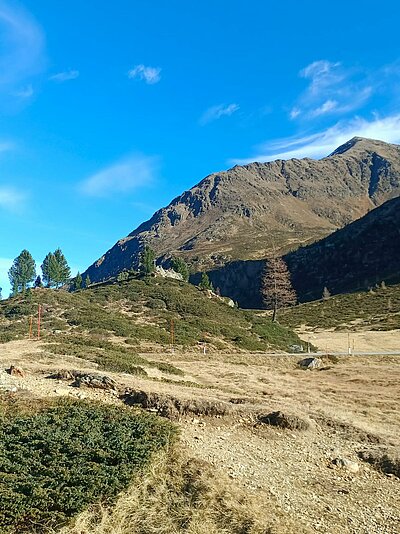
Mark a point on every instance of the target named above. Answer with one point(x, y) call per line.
point(245, 211)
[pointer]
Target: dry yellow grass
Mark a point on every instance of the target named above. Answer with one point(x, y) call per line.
point(278, 475)
point(180, 495)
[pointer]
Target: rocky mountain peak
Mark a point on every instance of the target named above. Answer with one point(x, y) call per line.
point(239, 214)
point(359, 144)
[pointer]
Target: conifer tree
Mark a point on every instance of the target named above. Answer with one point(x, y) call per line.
point(205, 282)
point(326, 293)
point(38, 282)
point(62, 272)
point(87, 281)
point(55, 269)
point(147, 257)
point(276, 287)
point(78, 281)
point(48, 269)
point(181, 267)
point(22, 272)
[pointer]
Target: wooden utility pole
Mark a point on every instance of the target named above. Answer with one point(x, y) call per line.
point(39, 321)
point(172, 335)
point(30, 326)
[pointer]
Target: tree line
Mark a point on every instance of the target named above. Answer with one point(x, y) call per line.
point(276, 288)
point(55, 272)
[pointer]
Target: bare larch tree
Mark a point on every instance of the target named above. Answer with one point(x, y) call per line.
point(276, 287)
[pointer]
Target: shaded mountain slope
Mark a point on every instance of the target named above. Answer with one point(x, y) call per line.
point(362, 254)
point(241, 213)
point(358, 256)
point(377, 309)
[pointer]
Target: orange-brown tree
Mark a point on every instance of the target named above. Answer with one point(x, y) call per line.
point(276, 287)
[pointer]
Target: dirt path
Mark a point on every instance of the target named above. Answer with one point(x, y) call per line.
point(295, 471)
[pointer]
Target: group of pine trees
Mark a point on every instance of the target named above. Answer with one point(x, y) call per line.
point(55, 272)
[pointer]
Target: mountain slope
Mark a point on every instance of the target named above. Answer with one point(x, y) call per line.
point(356, 257)
point(360, 255)
point(241, 213)
point(139, 313)
point(378, 309)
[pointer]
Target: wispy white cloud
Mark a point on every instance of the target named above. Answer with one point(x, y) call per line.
point(12, 199)
point(326, 107)
point(25, 92)
point(65, 76)
point(333, 89)
point(121, 177)
point(150, 75)
point(22, 52)
point(216, 112)
point(322, 74)
point(294, 112)
point(321, 144)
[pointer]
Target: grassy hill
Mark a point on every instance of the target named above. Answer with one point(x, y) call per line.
point(377, 309)
point(112, 322)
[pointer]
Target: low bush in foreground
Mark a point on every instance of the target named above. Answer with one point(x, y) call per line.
point(63, 457)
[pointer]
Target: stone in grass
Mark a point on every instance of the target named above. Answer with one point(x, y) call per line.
point(64, 374)
point(16, 371)
point(348, 465)
point(7, 388)
point(283, 420)
point(91, 380)
point(310, 363)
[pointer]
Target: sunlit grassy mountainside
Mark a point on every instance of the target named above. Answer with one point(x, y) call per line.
point(60, 458)
point(377, 309)
point(141, 315)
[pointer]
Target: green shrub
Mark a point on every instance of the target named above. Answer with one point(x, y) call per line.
point(54, 463)
point(141, 311)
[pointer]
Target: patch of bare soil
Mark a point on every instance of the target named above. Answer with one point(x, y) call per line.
point(330, 475)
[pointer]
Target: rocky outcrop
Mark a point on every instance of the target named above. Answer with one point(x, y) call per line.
point(241, 213)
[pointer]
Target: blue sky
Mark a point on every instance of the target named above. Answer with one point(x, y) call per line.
point(108, 110)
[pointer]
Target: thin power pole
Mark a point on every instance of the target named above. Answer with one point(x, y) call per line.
point(172, 335)
point(30, 326)
point(39, 321)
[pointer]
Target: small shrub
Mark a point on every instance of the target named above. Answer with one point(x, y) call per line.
point(56, 462)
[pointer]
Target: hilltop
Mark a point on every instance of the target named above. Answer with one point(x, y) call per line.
point(240, 214)
point(140, 315)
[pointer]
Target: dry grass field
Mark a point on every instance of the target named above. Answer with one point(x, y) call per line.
point(361, 341)
point(281, 479)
